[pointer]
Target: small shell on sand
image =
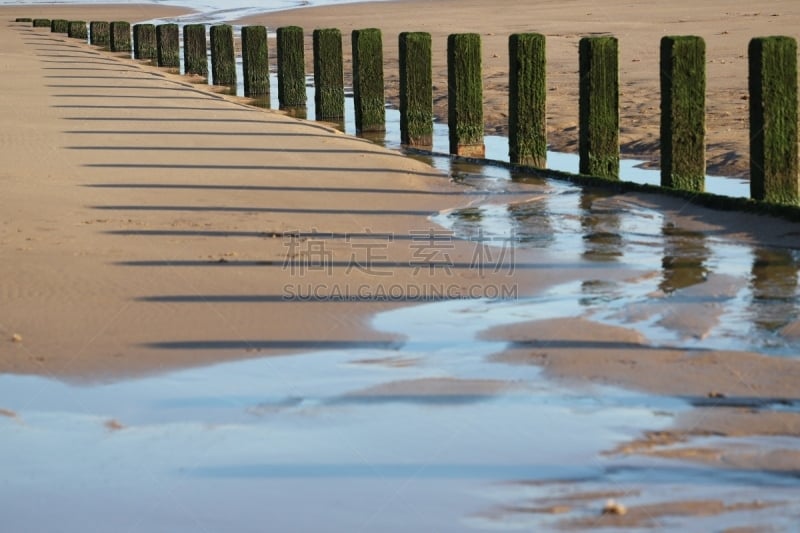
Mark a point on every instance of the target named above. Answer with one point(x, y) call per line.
point(614, 508)
point(16, 337)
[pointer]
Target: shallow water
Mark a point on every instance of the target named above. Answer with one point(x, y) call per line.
point(364, 438)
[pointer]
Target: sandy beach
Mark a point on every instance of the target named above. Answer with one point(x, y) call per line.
point(726, 27)
point(151, 226)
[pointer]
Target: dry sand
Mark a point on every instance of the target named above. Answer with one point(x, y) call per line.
point(727, 26)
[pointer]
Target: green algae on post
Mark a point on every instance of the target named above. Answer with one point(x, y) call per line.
point(255, 62)
point(328, 74)
point(39, 23)
point(78, 30)
point(598, 141)
point(527, 112)
point(168, 45)
point(223, 56)
point(416, 89)
point(773, 119)
point(120, 36)
point(683, 107)
point(98, 33)
point(465, 94)
point(368, 97)
point(291, 68)
point(144, 42)
point(59, 26)
point(28, 19)
point(195, 50)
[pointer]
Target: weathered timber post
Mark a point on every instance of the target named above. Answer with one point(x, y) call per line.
point(120, 36)
point(223, 58)
point(144, 42)
point(59, 26)
point(168, 45)
point(598, 141)
point(773, 119)
point(255, 62)
point(368, 87)
point(38, 23)
point(28, 19)
point(465, 95)
point(98, 33)
point(527, 112)
point(328, 74)
point(291, 68)
point(195, 50)
point(416, 89)
point(683, 109)
point(77, 30)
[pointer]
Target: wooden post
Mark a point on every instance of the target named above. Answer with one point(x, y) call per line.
point(368, 80)
point(683, 108)
point(168, 46)
point(98, 33)
point(291, 68)
point(416, 89)
point(598, 142)
point(328, 74)
point(39, 23)
point(144, 42)
point(59, 26)
point(527, 113)
point(77, 30)
point(28, 19)
point(120, 36)
point(465, 95)
point(195, 50)
point(255, 62)
point(773, 119)
point(223, 58)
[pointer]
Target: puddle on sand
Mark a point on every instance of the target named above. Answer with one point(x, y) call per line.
point(431, 436)
point(364, 443)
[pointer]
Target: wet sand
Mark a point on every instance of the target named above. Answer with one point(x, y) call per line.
point(726, 27)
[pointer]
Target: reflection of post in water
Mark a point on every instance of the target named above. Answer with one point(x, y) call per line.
point(530, 222)
point(773, 285)
point(684, 260)
point(601, 229)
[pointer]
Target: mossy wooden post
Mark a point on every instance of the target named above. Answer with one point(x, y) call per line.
point(368, 87)
point(98, 33)
point(195, 50)
point(144, 42)
point(683, 108)
point(255, 62)
point(291, 68)
point(465, 94)
point(39, 23)
point(773, 119)
point(120, 40)
point(598, 141)
point(78, 30)
point(527, 113)
point(223, 58)
point(59, 26)
point(168, 45)
point(328, 74)
point(416, 89)
point(28, 19)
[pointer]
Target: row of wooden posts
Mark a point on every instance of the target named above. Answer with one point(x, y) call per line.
point(772, 87)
